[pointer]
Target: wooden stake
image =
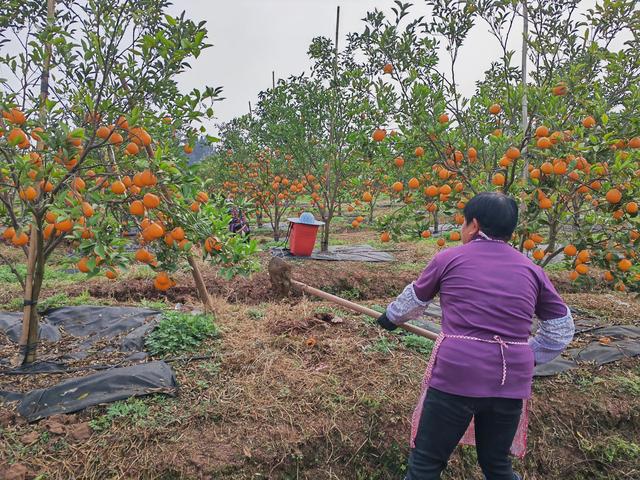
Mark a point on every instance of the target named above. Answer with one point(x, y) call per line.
point(524, 123)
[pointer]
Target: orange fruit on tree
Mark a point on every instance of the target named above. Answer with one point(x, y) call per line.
point(472, 153)
point(64, 225)
point(538, 254)
point(153, 232)
point(116, 138)
point(79, 184)
point(444, 174)
point(35, 133)
point(582, 269)
point(455, 236)
point(529, 244)
point(143, 255)
point(379, 134)
point(542, 131)
point(122, 123)
point(570, 250)
point(498, 179)
point(118, 187)
point(513, 153)
point(148, 179)
point(178, 233)
point(385, 237)
point(608, 276)
point(419, 152)
point(560, 168)
point(573, 275)
point(618, 214)
point(195, 207)
point(20, 239)
point(624, 265)
point(560, 89)
point(431, 190)
point(545, 203)
point(15, 116)
point(397, 186)
point(132, 149)
point(504, 162)
point(17, 136)
point(445, 189)
point(87, 209)
point(367, 197)
point(441, 242)
point(29, 194)
point(151, 200)
point(111, 274)
point(414, 183)
point(535, 173)
point(547, 168)
point(188, 149)
point(584, 255)
point(634, 142)
point(614, 196)
point(202, 197)
point(399, 162)
point(388, 69)
point(9, 233)
point(136, 208)
point(631, 207)
point(544, 142)
point(443, 118)
point(425, 234)
point(495, 109)
point(82, 265)
point(103, 132)
point(355, 224)
point(589, 122)
point(139, 136)
point(50, 217)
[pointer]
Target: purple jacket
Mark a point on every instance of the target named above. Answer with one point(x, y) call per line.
point(488, 288)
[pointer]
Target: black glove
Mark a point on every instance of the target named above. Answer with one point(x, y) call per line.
point(385, 323)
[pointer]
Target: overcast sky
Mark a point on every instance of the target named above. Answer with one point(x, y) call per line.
point(253, 37)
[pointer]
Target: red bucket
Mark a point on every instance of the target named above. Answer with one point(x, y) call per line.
point(302, 239)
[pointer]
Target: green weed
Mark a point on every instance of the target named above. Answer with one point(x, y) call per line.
point(180, 332)
point(134, 410)
point(629, 383)
point(382, 345)
point(610, 449)
point(419, 344)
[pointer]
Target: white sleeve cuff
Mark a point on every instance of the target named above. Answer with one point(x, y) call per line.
point(406, 306)
point(552, 338)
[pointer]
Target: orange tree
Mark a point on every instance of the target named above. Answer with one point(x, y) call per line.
point(566, 149)
point(94, 136)
point(257, 169)
point(321, 120)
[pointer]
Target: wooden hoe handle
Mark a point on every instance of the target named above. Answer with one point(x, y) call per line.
point(360, 309)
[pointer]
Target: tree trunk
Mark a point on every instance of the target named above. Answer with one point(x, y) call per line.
point(35, 259)
point(33, 283)
point(436, 226)
point(203, 293)
point(324, 242)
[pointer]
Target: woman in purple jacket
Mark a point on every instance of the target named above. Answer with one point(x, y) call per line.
point(481, 367)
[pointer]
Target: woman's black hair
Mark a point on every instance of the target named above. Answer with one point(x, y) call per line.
point(496, 213)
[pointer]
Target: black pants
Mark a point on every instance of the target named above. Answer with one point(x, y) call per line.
point(444, 420)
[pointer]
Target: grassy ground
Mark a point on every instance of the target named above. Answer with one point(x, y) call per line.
point(286, 394)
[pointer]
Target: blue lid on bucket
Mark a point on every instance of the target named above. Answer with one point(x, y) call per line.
point(306, 218)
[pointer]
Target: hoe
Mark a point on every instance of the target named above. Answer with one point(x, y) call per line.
point(281, 281)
